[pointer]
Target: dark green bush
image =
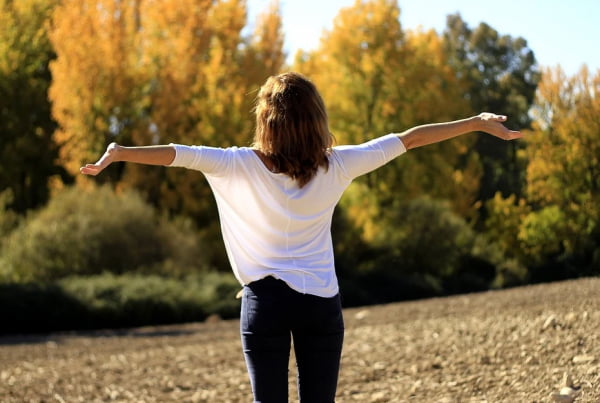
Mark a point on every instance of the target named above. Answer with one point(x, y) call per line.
point(383, 286)
point(9, 219)
point(83, 232)
point(426, 237)
point(110, 301)
point(26, 308)
point(424, 249)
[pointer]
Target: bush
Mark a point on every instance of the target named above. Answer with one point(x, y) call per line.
point(26, 308)
point(110, 301)
point(9, 219)
point(384, 286)
point(424, 249)
point(426, 236)
point(90, 232)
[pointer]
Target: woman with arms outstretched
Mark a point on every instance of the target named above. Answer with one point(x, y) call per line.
point(276, 201)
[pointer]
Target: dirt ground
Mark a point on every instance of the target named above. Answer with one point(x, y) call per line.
point(504, 346)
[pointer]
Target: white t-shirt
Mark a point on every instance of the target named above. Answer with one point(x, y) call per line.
point(272, 227)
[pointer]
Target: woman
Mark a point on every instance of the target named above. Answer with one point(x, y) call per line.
point(276, 201)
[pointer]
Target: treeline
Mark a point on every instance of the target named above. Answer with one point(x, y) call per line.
point(468, 214)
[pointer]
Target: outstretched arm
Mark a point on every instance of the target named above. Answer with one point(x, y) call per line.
point(433, 133)
point(150, 155)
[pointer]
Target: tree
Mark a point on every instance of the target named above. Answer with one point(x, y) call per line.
point(500, 75)
point(264, 48)
point(146, 72)
point(201, 71)
point(189, 63)
point(96, 91)
point(27, 149)
point(563, 175)
point(377, 79)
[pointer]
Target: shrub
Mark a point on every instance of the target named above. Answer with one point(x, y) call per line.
point(111, 301)
point(8, 218)
point(89, 232)
point(134, 300)
point(424, 249)
point(424, 236)
point(26, 308)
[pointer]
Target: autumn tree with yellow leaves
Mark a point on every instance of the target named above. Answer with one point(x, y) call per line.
point(554, 229)
point(159, 71)
point(563, 175)
point(97, 89)
point(143, 72)
point(377, 79)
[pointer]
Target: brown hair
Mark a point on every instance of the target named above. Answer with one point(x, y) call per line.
point(292, 128)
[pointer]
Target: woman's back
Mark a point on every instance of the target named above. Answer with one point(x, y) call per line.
point(273, 226)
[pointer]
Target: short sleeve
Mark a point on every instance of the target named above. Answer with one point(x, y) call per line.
point(357, 160)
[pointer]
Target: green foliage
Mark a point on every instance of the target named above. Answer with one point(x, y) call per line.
point(109, 301)
point(134, 300)
point(89, 232)
point(9, 219)
point(421, 248)
point(500, 74)
point(546, 238)
point(543, 232)
point(429, 238)
point(564, 168)
point(559, 236)
point(27, 150)
point(504, 217)
point(504, 220)
point(426, 237)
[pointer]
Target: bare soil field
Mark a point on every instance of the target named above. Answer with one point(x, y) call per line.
point(502, 346)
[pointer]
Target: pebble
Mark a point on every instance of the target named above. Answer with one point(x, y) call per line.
point(550, 322)
point(582, 359)
point(360, 315)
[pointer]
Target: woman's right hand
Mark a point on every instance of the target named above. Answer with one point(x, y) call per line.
point(110, 155)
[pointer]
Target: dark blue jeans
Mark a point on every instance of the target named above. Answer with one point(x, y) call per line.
point(272, 314)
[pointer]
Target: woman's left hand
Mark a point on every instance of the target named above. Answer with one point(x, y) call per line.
point(493, 124)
